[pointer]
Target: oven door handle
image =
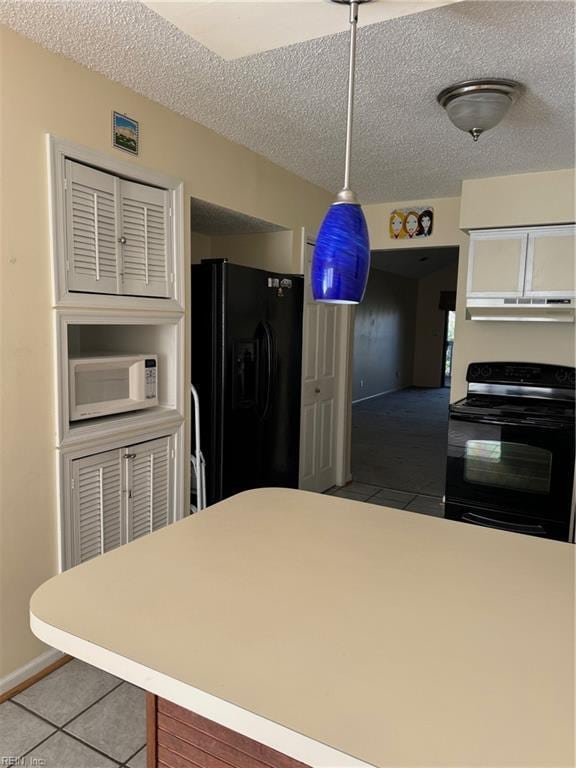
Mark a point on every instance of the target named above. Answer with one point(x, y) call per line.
point(488, 522)
point(500, 423)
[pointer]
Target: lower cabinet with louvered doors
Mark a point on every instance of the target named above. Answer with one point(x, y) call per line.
point(118, 496)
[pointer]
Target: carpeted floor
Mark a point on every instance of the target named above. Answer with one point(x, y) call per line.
point(399, 441)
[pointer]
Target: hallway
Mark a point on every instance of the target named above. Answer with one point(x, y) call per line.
point(399, 441)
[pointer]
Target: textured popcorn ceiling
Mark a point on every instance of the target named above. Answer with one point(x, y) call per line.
point(209, 219)
point(289, 104)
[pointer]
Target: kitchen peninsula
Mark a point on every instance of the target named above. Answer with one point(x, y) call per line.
point(281, 627)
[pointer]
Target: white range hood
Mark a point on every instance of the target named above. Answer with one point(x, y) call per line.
point(538, 310)
point(522, 273)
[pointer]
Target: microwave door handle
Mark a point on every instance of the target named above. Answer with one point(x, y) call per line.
point(488, 522)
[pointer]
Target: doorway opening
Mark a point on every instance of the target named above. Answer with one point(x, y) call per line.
point(404, 339)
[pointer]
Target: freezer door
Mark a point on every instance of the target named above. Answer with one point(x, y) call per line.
point(282, 423)
point(247, 380)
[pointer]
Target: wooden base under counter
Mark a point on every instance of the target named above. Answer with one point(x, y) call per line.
point(178, 738)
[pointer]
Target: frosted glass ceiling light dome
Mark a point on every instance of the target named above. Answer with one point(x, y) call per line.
point(341, 260)
point(476, 106)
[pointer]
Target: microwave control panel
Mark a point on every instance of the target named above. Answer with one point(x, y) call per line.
point(151, 379)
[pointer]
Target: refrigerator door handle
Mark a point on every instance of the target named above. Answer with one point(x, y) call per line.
point(267, 388)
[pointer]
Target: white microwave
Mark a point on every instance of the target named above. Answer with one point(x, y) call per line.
point(100, 386)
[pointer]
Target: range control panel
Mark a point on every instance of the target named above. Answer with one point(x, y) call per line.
point(532, 374)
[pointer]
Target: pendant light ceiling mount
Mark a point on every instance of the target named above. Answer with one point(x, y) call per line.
point(475, 106)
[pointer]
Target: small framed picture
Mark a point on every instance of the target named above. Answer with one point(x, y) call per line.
point(411, 223)
point(125, 133)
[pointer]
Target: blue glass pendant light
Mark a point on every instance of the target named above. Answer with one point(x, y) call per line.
point(341, 260)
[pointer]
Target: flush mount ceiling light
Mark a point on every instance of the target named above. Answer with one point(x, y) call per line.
point(341, 260)
point(476, 106)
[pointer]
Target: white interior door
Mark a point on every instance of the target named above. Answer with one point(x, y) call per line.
point(319, 371)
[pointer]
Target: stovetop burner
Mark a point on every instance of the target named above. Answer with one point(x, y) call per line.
point(522, 391)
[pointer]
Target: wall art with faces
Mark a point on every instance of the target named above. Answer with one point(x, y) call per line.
point(411, 223)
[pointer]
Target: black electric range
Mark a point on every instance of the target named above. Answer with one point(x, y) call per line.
point(511, 450)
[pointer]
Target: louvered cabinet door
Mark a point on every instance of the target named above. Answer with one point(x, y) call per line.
point(98, 486)
point(148, 481)
point(91, 230)
point(145, 239)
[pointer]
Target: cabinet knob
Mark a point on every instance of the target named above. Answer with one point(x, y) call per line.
point(122, 240)
point(129, 455)
point(317, 390)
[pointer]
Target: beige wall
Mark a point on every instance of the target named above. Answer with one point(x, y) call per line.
point(273, 251)
point(43, 92)
point(267, 250)
point(384, 335)
point(200, 247)
point(430, 326)
point(520, 200)
point(446, 229)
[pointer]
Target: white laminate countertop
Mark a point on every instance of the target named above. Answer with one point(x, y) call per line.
point(338, 632)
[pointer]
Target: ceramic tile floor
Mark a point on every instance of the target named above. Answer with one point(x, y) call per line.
point(388, 497)
point(76, 717)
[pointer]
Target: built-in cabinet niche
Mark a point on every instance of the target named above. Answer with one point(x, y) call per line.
point(117, 232)
point(118, 265)
point(103, 335)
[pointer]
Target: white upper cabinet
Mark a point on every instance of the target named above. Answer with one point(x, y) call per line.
point(497, 264)
point(117, 233)
point(144, 240)
point(550, 263)
point(535, 263)
point(92, 260)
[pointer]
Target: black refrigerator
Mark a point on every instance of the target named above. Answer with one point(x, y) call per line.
point(246, 366)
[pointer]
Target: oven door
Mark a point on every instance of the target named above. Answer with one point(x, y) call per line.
point(521, 468)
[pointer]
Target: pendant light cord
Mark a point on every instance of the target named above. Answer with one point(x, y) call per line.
point(350, 116)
